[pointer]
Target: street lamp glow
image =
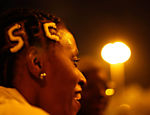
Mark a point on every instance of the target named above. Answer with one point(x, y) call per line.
point(109, 92)
point(117, 52)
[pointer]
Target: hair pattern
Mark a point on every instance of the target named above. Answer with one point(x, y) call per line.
point(19, 29)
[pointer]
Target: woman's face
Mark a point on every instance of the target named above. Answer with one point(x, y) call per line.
point(94, 98)
point(62, 90)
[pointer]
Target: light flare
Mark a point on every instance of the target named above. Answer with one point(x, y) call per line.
point(109, 92)
point(117, 52)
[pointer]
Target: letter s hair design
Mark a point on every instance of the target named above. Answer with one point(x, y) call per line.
point(15, 38)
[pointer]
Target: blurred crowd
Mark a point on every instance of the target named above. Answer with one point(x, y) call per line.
point(131, 100)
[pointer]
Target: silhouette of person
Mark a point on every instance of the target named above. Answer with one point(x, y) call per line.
point(94, 100)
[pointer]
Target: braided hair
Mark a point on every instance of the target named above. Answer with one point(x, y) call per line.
point(31, 21)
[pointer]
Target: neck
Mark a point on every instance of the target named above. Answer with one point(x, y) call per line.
point(26, 86)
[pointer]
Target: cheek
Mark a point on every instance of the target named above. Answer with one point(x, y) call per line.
point(61, 72)
point(62, 78)
point(64, 75)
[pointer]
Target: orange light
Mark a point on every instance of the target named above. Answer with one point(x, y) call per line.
point(117, 52)
point(109, 92)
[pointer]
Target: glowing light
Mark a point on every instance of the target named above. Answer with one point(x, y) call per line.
point(125, 107)
point(116, 52)
point(109, 92)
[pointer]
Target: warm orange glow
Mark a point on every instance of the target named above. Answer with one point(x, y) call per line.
point(117, 74)
point(116, 52)
point(109, 92)
point(125, 106)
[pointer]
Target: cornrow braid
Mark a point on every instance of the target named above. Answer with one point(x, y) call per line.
point(31, 20)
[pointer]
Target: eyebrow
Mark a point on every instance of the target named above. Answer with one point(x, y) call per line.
point(76, 53)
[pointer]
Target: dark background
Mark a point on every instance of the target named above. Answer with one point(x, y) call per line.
point(97, 22)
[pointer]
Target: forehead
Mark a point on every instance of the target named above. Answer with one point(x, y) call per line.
point(66, 39)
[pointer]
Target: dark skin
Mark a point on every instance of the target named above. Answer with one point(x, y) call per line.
point(57, 94)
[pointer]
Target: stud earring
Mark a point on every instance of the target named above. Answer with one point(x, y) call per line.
point(42, 76)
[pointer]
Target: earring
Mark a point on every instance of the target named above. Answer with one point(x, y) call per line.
point(42, 76)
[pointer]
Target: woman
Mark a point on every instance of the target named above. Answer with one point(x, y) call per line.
point(94, 101)
point(38, 58)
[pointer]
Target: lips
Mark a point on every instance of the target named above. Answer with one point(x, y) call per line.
point(77, 94)
point(77, 98)
point(76, 102)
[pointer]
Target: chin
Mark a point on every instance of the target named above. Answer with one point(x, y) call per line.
point(75, 107)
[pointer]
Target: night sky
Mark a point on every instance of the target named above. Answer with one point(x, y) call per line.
point(97, 22)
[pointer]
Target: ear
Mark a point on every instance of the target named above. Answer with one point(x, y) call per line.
point(34, 62)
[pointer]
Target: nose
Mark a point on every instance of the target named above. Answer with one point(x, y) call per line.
point(82, 80)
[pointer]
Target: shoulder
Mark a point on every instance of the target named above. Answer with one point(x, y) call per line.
point(11, 106)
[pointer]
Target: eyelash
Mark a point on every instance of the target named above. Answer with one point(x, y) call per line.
point(75, 61)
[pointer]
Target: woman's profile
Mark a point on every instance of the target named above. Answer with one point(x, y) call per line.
point(38, 73)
